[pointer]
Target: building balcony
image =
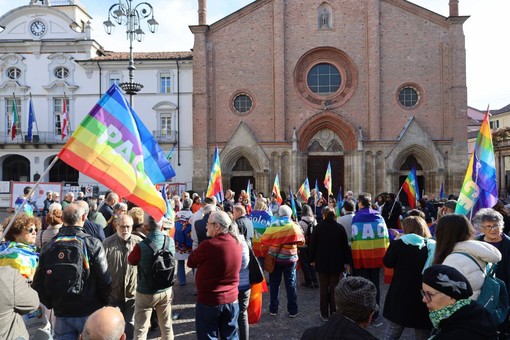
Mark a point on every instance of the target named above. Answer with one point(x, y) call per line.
point(50, 138)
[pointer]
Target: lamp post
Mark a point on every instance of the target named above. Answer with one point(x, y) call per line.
point(125, 14)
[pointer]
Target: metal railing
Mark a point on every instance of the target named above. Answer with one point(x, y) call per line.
point(49, 137)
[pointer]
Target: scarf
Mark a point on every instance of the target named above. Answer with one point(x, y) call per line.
point(420, 242)
point(19, 256)
point(444, 313)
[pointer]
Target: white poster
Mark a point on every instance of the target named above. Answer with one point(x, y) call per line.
point(39, 193)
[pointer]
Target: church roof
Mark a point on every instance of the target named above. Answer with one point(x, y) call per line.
point(109, 55)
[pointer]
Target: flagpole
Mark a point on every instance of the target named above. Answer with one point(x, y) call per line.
point(16, 213)
point(395, 200)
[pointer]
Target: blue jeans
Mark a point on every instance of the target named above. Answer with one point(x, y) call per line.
point(242, 322)
point(212, 322)
point(181, 272)
point(288, 270)
point(69, 328)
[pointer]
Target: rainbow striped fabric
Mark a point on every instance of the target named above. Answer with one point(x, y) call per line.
point(19, 256)
point(215, 187)
point(304, 190)
point(327, 179)
point(112, 146)
point(283, 236)
point(276, 190)
point(370, 239)
point(410, 187)
point(480, 187)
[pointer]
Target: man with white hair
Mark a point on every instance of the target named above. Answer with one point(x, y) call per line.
point(117, 248)
point(283, 237)
point(218, 260)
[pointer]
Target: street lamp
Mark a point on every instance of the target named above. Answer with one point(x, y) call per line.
point(125, 14)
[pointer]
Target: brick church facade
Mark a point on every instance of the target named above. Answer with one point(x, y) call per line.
point(373, 86)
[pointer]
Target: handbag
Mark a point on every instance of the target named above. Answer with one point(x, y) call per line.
point(256, 273)
point(270, 261)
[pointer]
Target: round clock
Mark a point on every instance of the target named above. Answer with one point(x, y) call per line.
point(38, 28)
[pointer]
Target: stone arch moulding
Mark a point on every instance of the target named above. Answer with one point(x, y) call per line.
point(331, 121)
point(423, 156)
point(231, 158)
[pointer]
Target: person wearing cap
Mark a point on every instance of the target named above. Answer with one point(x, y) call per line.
point(447, 292)
point(355, 306)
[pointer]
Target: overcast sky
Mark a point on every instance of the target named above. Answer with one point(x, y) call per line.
point(487, 33)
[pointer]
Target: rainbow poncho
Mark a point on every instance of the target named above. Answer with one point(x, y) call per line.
point(283, 236)
point(370, 239)
point(19, 256)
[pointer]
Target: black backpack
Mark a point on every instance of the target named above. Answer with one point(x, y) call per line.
point(309, 231)
point(66, 266)
point(163, 265)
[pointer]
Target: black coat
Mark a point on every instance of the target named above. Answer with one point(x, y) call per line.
point(337, 327)
point(329, 248)
point(403, 304)
point(470, 322)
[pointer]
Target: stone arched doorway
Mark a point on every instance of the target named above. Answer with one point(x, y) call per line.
point(408, 165)
point(16, 168)
point(242, 174)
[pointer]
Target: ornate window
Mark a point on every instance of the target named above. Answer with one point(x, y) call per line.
point(165, 82)
point(58, 111)
point(242, 103)
point(61, 72)
point(408, 96)
point(166, 124)
point(324, 79)
point(14, 73)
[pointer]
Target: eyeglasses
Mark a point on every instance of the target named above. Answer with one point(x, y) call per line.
point(428, 295)
point(491, 227)
point(31, 230)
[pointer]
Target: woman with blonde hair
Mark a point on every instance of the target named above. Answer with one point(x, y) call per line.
point(408, 255)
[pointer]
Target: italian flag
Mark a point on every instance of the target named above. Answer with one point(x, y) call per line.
point(15, 117)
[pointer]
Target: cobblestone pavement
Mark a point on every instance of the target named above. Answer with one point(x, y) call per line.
point(269, 327)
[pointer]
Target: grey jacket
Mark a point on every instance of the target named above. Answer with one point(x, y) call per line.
point(16, 299)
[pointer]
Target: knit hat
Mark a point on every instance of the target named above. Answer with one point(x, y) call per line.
point(355, 298)
point(447, 280)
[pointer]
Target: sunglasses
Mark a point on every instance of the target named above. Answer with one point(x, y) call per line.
point(32, 229)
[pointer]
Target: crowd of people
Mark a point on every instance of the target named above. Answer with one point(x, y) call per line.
point(85, 266)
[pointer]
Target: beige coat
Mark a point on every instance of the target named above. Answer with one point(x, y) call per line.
point(123, 275)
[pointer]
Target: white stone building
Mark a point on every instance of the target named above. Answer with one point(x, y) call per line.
point(47, 50)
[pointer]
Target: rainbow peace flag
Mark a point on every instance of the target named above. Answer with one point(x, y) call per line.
point(410, 187)
point(112, 146)
point(215, 187)
point(327, 179)
point(304, 190)
point(276, 190)
point(480, 188)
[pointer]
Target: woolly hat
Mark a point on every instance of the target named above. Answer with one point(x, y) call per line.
point(355, 298)
point(447, 280)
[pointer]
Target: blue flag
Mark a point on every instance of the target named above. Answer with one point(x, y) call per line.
point(441, 192)
point(31, 120)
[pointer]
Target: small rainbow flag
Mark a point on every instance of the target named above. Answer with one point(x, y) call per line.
point(215, 187)
point(248, 190)
point(112, 146)
point(480, 189)
point(327, 180)
point(276, 190)
point(304, 190)
point(410, 186)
